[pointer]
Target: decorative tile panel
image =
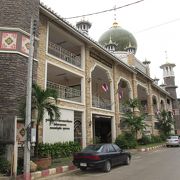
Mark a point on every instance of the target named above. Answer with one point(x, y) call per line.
point(9, 40)
point(25, 44)
point(20, 137)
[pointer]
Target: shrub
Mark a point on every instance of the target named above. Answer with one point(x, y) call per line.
point(126, 141)
point(58, 150)
point(144, 140)
point(163, 137)
point(2, 149)
point(5, 167)
point(156, 139)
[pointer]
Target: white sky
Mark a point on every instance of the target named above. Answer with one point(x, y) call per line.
point(163, 15)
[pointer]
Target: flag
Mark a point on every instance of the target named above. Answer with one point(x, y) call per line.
point(120, 92)
point(104, 87)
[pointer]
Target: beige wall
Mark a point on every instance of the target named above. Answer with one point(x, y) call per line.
point(115, 73)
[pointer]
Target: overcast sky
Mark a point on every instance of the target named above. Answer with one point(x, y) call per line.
point(154, 23)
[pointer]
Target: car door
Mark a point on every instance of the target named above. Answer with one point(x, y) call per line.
point(121, 156)
point(113, 154)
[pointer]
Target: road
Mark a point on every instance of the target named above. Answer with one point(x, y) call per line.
point(161, 164)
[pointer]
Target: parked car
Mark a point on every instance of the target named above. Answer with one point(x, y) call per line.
point(173, 141)
point(102, 156)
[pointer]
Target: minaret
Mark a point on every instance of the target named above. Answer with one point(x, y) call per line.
point(169, 78)
point(130, 49)
point(156, 81)
point(146, 63)
point(111, 46)
point(83, 26)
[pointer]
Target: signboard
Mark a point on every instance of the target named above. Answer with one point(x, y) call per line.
point(61, 130)
point(7, 129)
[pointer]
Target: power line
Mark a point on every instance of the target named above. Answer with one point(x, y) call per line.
point(158, 25)
point(108, 10)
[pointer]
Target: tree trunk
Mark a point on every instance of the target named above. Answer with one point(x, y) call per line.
point(37, 141)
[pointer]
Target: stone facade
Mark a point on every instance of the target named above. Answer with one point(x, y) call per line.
point(13, 82)
point(15, 19)
point(60, 47)
point(17, 14)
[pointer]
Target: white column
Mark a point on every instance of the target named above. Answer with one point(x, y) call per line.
point(83, 129)
point(113, 127)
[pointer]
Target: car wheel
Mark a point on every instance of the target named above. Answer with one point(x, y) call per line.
point(107, 166)
point(127, 161)
point(82, 168)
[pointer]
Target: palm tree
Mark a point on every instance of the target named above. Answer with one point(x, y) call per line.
point(41, 103)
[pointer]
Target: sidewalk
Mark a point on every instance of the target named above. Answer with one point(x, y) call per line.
point(63, 169)
point(48, 172)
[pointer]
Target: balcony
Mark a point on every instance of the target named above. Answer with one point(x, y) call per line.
point(63, 54)
point(65, 92)
point(102, 103)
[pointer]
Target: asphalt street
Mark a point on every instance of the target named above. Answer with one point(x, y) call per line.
point(161, 164)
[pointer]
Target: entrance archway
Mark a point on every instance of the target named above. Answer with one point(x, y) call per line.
point(102, 132)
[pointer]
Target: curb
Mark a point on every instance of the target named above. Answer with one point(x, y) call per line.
point(48, 172)
point(151, 148)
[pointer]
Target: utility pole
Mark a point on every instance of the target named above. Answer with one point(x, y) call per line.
point(27, 143)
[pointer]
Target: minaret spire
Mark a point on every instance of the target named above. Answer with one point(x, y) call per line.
point(115, 13)
point(115, 24)
point(166, 56)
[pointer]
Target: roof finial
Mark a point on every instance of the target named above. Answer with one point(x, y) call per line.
point(115, 22)
point(166, 56)
point(115, 13)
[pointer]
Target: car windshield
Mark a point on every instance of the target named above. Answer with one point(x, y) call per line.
point(93, 148)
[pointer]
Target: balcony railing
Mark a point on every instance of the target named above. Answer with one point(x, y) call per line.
point(64, 54)
point(65, 92)
point(100, 102)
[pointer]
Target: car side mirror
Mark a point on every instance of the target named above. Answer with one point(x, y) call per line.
point(121, 150)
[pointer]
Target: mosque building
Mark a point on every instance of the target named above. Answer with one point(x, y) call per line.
point(93, 79)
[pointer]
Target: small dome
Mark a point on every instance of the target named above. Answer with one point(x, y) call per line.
point(118, 35)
